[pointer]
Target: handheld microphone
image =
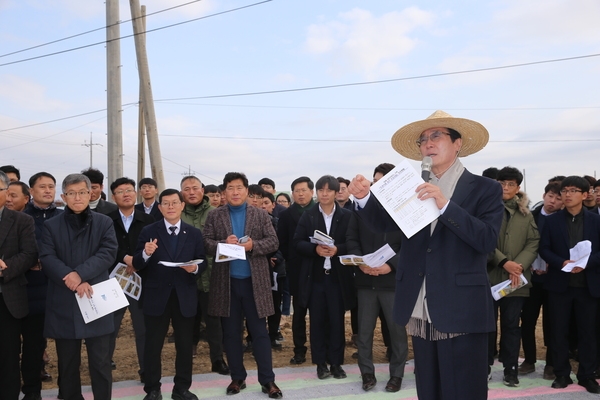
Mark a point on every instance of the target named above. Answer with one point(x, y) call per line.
point(426, 168)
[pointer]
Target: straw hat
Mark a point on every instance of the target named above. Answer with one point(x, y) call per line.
point(474, 135)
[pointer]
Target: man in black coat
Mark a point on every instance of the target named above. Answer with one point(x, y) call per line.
point(325, 286)
point(96, 202)
point(19, 253)
point(302, 192)
point(149, 189)
point(128, 224)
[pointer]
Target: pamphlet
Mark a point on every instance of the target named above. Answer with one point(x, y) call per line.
point(131, 284)
point(319, 237)
point(108, 297)
point(181, 264)
point(228, 252)
point(373, 260)
point(503, 288)
point(581, 254)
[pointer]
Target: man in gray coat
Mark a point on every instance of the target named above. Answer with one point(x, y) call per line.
point(78, 248)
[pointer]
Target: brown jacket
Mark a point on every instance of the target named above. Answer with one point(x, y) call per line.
point(259, 228)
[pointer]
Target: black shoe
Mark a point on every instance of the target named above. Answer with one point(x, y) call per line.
point(355, 355)
point(235, 386)
point(393, 384)
point(338, 372)
point(511, 380)
point(275, 345)
point(280, 336)
point(153, 395)
point(590, 385)
point(32, 396)
point(272, 390)
point(220, 367)
point(45, 376)
point(368, 382)
point(59, 395)
point(183, 395)
point(561, 382)
point(298, 359)
point(323, 371)
point(113, 365)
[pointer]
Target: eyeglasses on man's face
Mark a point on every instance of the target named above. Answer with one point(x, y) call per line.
point(81, 193)
point(435, 136)
point(570, 191)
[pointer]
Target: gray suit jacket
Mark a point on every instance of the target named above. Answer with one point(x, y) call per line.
point(19, 251)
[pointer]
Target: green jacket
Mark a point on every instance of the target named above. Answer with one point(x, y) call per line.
point(196, 216)
point(518, 241)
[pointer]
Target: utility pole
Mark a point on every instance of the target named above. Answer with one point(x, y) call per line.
point(189, 171)
point(141, 165)
point(148, 98)
point(90, 145)
point(113, 92)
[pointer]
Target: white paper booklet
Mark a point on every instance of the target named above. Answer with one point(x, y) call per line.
point(319, 237)
point(373, 260)
point(107, 298)
point(503, 288)
point(581, 254)
point(181, 264)
point(131, 284)
point(228, 252)
point(396, 193)
point(539, 264)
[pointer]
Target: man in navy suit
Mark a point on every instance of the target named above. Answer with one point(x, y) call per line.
point(169, 294)
point(149, 189)
point(576, 291)
point(442, 289)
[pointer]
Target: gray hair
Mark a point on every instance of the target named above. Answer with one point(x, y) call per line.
point(73, 179)
point(4, 178)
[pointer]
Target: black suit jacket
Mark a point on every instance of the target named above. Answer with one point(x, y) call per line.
point(154, 212)
point(554, 249)
point(104, 207)
point(313, 219)
point(159, 281)
point(128, 241)
point(454, 258)
point(18, 249)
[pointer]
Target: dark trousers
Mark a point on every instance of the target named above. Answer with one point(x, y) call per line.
point(156, 330)
point(32, 328)
point(242, 305)
point(327, 325)
point(69, 361)
point(286, 298)
point(370, 304)
point(299, 326)
point(274, 320)
point(10, 347)
point(510, 332)
point(538, 298)
point(139, 329)
point(451, 369)
point(214, 331)
point(579, 302)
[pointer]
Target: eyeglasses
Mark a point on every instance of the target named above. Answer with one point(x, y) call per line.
point(173, 204)
point(434, 137)
point(81, 193)
point(126, 191)
point(570, 191)
point(510, 184)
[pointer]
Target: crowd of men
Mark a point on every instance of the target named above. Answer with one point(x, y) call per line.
point(436, 288)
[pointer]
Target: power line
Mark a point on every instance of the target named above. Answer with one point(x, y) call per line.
point(133, 34)
point(92, 30)
point(468, 71)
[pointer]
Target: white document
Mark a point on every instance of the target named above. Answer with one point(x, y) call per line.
point(503, 288)
point(228, 252)
point(396, 193)
point(581, 254)
point(539, 264)
point(373, 260)
point(181, 264)
point(107, 298)
point(319, 237)
point(275, 287)
point(131, 284)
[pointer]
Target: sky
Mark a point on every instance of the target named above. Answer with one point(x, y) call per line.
point(491, 61)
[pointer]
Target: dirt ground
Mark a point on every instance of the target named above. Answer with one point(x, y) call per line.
point(126, 359)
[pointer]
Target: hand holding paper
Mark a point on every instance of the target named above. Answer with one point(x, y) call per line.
point(580, 254)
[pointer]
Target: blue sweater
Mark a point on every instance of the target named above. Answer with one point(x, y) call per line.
point(239, 269)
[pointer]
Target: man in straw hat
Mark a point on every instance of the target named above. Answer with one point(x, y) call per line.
point(442, 289)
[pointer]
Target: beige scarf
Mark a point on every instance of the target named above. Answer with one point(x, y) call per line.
point(420, 320)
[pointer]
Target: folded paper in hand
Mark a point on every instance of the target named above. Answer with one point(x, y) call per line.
point(181, 264)
point(228, 252)
point(503, 288)
point(321, 238)
point(107, 298)
point(373, 260)
point(131, 284)
point(581, 254)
